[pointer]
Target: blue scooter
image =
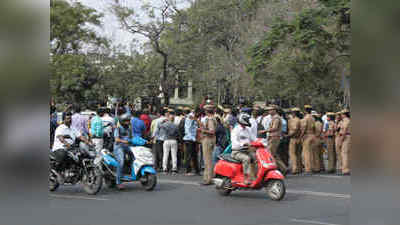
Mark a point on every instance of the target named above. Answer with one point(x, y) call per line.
point(138, 165)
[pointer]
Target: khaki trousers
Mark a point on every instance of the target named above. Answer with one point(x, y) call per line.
point(208, 145)
point(330, 147)
point(295, 155)
point(338, 148)
point(346, 154)
point(273, 145)
point(316, 155)
point(307, 152)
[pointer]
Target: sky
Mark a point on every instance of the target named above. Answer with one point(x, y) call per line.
point(111, 27)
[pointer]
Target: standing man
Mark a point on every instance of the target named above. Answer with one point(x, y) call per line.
point(307, 135)
point(208, 143)
point(295, 143)
point(170, 144)
point(97, 130)
point(159, 141)
point(317, 146)
point(338, 144)
point(189, 139)
point(330, 142)
point(345, 140)
point(274, 136)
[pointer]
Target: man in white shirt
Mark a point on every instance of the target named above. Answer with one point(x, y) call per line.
point(64, 138)
point(241, 138)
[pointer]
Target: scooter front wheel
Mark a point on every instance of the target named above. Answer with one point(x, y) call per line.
point(149, 181)
point(276, 189)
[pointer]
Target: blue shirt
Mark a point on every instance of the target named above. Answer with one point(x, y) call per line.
point(138, 127)
point(284, 126)
point(122, 133)
point(96, 127)
point(190, 130)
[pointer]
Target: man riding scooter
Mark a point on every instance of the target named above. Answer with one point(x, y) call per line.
point(122, 135)
point(241, 138)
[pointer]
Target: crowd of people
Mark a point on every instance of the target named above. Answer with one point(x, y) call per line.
point(189, 140)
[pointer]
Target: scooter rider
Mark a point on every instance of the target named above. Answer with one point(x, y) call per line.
point(241, 138)
point(122, 135)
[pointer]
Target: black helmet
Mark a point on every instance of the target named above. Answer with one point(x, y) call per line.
point(124, 117)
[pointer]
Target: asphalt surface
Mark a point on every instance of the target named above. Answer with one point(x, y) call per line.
point(178, 199)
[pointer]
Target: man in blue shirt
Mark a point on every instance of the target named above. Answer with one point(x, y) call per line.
point(189, 140)
point(122, 135)
point(138, 126)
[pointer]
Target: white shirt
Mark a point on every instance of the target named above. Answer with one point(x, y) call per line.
point(177, 120)
point(253, 127)
point(107, 119)
point(64, 130)
point(259, 119)
point(241, 136)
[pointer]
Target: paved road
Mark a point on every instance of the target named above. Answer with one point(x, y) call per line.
point(178, 199)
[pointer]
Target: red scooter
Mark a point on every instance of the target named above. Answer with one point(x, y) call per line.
point(229, 174)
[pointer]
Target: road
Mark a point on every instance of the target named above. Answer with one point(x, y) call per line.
point(181, 200)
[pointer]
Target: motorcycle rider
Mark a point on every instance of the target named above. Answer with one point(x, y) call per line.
point(122, 136)
point(241, 138)
point(64, 138)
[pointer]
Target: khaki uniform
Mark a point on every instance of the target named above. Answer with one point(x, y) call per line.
point(308, 128)
point(345, 151)
point(330, 146)
point(274, 140)
point(317, 148)
point(338, 144)
point(294, 145)
point(208, 145)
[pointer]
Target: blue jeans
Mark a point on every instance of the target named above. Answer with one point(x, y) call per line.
point(119, 152)
point(217, 151)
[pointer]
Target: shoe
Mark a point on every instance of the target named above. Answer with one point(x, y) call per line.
point(205, 183)
point(164, 172)
point(174, 172)
point(120, 187)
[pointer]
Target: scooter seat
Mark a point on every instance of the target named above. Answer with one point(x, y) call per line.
point(228, 158)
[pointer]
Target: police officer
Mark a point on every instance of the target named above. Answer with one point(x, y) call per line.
point(307, 136)
point(208, 143)
point(345, 140)
point(338, 144)
point(274, 136)
point(317, 144)
point(295, 143)
point(330, 142)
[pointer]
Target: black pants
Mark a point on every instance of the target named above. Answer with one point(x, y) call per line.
point(283, 150)
point(60, 156)
point(191, 156)
point(158, 154)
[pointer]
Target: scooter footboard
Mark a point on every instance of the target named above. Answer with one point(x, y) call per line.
point(274, 174)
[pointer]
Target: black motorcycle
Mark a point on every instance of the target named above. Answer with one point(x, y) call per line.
point(78, 167)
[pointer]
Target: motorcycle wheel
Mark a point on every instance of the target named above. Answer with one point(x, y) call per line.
point(53, 183)
point(149, 181)
point(276, 189)
point(225, 188)
point(92, 181)
point(109, 182)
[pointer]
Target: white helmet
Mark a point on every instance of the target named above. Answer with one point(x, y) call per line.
point(244, 119)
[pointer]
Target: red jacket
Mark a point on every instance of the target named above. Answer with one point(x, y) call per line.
point(147, 121)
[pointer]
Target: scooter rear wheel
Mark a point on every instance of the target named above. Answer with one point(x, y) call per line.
point(226, 188)
point(276, 189)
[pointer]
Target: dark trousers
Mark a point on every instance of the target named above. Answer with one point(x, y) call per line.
point(60, 157)
point(283, 150)
point(191, 156)
point(158, 154)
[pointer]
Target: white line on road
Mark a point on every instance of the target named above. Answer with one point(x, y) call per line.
point(78, 197)
point(312, 222)
point(312, 193)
